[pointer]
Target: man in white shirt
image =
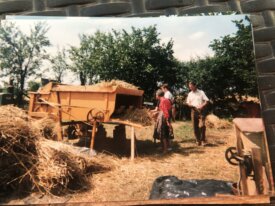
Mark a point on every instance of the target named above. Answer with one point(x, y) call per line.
point(197, 100)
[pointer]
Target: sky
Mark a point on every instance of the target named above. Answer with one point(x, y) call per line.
point(191, 35)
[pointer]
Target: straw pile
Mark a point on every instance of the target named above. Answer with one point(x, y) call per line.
point(212, 121)
point(115, 83)
point(139, 116)
point(48, 127)
point(29, 162)
point(60, 169)
point(18, 152)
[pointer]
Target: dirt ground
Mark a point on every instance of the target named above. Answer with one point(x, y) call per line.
point(122, 179)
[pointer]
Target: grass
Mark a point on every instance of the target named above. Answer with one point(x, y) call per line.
point(184, 132)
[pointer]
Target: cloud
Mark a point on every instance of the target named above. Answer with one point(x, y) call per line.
point(197, 35)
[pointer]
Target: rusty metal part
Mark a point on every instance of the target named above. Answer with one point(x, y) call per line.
point(95, 115)
point(232, 156)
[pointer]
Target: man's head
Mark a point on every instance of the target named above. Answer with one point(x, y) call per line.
point(192, 86)
point(159, 94)
point(165, 87)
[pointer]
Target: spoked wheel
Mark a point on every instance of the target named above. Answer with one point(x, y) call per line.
point(231, 155)
point(95, 115)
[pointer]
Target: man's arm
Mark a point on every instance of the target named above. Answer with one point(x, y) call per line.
point(205, 101)
point(202, 105)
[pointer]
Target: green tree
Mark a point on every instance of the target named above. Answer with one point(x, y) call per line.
point(21, 54)
point(33, 86)
point(137, 57)
point(59, 64)
point(234, 56)
point(81, 57)
point(231, 71)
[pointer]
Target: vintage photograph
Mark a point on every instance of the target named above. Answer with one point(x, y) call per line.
point(123, 109)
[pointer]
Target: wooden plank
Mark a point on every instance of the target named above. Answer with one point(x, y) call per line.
point(269, 177)
point(55, 105)
point(258, 169)
point(242, 172)
point(38, 114)
point(132, 143)
point(59, 123)
point(249, 124)
point(268, 166)
point(31, 102)
point(221, 200)
point(118, 121)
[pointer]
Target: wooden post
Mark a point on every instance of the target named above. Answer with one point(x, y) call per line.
point(132, 143)
point(243, 177)
point(93, 135)
point(59, 131)
point(259, 172)
point(59, 114)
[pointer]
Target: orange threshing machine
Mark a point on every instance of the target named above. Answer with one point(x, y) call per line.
point(88, 104)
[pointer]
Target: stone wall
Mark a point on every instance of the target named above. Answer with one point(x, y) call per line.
point(262, 16)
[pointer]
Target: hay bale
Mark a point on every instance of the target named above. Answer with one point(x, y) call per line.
point(212, 121)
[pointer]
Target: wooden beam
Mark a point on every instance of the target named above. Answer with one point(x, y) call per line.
point(118, 121)
point(221, 200)
point(132, 143)
point(59, 124)
point(93, 135)
point(242, 172)
point(259, 172)
point(38, 114)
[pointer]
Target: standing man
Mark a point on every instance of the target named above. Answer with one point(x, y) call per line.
point(197, 100)
point(163, 123)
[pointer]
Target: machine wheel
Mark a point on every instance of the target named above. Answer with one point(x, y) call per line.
point(95, 115)
point(231, 155)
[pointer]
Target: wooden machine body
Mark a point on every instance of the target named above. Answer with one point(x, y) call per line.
point(72, 103)
point(251, 142)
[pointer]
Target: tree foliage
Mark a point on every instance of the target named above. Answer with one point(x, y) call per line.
point(231, 72)
point(59, 64)
point(81, 57)
point(137, 57)
point(33, 86)
point(21, 54)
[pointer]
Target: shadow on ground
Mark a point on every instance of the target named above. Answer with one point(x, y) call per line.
point(144, 148)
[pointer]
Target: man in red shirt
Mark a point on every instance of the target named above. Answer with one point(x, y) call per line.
point(163, 124)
